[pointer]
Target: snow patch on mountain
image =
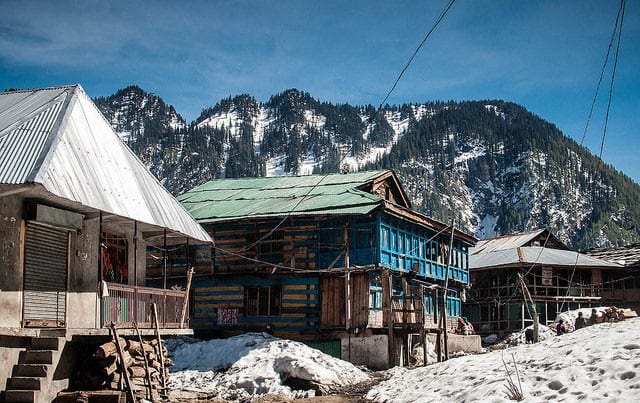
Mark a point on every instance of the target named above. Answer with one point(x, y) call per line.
point(495, 110)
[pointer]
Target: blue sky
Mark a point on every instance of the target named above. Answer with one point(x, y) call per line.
point(544, 55)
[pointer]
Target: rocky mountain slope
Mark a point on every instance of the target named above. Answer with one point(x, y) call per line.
point(494, 166)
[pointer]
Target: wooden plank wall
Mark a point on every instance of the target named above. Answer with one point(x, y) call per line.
point(296, 237)
point(359, 299)
point(299, 310)
point(332, 312)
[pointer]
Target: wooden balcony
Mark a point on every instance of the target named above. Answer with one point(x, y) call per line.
point(126, 304)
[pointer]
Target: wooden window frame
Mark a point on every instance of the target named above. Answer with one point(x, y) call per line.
point(255, 298)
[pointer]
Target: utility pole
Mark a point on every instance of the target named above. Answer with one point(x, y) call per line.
point(347, 279)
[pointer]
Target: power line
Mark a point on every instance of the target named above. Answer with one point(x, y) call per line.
point(617, 28)
point(424, 39)
point(415, 52)
point(602, 71)
point(613, 74)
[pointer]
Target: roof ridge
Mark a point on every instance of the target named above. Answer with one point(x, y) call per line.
point(55, 87)
point(514, 235)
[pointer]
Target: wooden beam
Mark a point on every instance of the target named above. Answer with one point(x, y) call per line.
point(387, 293)
point(125, 372)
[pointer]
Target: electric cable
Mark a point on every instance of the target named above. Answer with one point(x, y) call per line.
point(415, 52)
point(437, 22)
point(613, 75)
point(617, 29)
point(602, 71)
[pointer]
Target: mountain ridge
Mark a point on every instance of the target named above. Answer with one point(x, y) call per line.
point(492, 165)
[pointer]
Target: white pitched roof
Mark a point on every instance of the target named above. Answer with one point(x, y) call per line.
point(57, 138)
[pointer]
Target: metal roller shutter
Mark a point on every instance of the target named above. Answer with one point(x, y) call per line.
point(45, 276)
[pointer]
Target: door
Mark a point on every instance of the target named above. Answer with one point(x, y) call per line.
point(46, 256)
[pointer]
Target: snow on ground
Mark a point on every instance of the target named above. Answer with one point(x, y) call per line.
point(600, 362)
point(253, 364)
point(544, 333)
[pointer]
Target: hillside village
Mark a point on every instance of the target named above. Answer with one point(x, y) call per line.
point(293, 287)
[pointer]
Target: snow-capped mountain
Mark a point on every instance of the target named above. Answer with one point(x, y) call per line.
point(131, 110)
point(493, 166)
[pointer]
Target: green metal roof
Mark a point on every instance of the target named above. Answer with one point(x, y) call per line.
point(229, 199)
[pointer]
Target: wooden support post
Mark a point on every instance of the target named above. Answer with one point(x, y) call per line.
point(423, 331)
point(146, 364)
point(347, 300)
point(165, 257)
point(387, 302)
point(100, 268)
point(135, 255)
point(123, 365)
point(439, 344)
point(405, 301)
point(163, 374)
point(185, 302)
point(347, 278)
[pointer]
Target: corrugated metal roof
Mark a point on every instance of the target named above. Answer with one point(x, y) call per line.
point(223, 200)
point(228, 199)
point(61, 141)
point(505, 242)
point(628, 256)
point(538, 255)
point(26, 131)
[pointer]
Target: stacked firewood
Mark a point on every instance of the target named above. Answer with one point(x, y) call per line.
point(137, 359)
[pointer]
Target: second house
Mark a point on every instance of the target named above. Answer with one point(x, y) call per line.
point(339, 261)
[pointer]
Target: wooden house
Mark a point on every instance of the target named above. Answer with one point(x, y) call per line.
point(77, 212)
point(620, 287)
point(556, 278)
point(340, 261)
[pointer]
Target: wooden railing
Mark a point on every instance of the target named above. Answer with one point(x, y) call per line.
point(126, 304)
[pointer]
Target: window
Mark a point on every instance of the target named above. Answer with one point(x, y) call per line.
point(269, 249)
point(434, 251)
point(385, 238)
point(262, 301)
point(114, 258)
point(375, 291)
point(375, 297)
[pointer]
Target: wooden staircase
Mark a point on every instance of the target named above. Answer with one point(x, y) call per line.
point(32, 375)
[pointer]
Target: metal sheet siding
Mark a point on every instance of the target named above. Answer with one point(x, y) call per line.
point(45, 274)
